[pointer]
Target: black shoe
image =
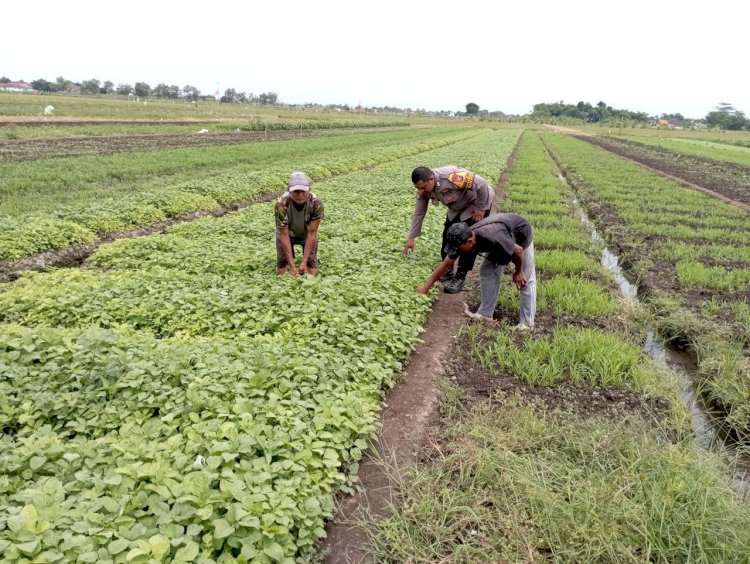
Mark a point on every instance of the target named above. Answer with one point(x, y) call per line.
point(447, 277)
point(455, 285)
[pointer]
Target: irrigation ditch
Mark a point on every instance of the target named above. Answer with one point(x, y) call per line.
point(709, 431)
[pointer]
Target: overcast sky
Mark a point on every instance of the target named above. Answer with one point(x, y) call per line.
point(653, 56)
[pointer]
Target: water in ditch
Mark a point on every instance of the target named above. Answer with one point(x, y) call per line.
point(682, 366)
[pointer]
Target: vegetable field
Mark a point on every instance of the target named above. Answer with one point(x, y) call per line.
point(175, 401)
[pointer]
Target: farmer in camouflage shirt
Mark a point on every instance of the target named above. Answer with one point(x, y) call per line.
point(468, 198)
point(298, 213)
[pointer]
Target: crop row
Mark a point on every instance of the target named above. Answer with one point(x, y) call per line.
point(700, 147)
point(690, 252)
point(89, 216)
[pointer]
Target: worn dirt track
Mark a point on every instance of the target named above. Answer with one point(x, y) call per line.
point(410, 411)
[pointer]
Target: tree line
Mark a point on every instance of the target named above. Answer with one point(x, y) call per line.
point(144, 90)
point(724, 115)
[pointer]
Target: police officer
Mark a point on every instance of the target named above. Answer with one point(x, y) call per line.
point(468, 198)
point(298, 213)
point(501, 238)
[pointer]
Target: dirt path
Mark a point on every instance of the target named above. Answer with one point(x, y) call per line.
point(568, 130)
point(410, 412)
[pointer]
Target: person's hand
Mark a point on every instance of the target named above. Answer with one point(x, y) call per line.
point(293, 270)
point(303, 268)
point(409, 247)
point(422, 290)
point(519, 279)
point(477, 215)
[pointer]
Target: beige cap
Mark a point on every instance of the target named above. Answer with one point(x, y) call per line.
point(299, 181)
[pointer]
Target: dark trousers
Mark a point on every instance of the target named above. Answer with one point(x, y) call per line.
point(465, 260)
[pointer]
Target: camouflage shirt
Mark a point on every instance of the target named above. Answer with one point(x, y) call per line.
point(286, 213)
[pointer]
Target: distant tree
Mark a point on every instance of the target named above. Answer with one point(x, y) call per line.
point(62, 84)
point(142, 89)
point(268, 98)
point(673, 117)
point(725, 116)
point(161, 90)
point(5, 80)
point(124, 89)
point(583, 111)
point(230, 95)
point(472, 109)
point(42, 85)
point(90, 86)
point(190, 92)
point(107, 88)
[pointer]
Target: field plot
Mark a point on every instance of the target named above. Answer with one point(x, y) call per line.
point(565, 443)
point(178, 402)
point(74, 146)
point(691, 254)
point(710, 169)
point(57, 203)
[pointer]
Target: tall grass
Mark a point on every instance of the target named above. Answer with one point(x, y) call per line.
point(579, 355)
point(517, 485)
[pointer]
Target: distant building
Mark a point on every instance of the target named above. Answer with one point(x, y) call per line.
point(16, 87)
point(670, 123)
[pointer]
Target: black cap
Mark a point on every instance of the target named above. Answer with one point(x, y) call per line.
point(457, 235)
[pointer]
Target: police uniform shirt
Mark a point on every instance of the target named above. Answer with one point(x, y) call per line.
point(460, 190)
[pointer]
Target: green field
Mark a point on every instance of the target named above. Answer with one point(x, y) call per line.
point(173, 400)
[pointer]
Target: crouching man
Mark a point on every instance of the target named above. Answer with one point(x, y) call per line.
point(298, 214)
point(501, 238)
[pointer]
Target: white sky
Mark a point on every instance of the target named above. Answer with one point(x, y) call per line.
point(653, 56)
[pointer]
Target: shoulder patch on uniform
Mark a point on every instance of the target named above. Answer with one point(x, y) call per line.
point(462, 180)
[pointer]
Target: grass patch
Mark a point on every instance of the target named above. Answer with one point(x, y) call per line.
point(566, 262)
point(580, 355)
point(575, 296)
point(696, 275)
point(516, 485)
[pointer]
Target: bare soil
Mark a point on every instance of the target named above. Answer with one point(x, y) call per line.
point(16, 150)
